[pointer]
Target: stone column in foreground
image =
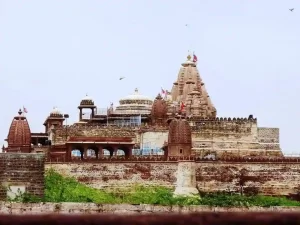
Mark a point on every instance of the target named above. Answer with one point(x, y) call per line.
point(186, 179)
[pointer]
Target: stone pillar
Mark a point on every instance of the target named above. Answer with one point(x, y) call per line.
point(186, 179)
point(128, 153)
point(100, 152)
point(80, 114)
point(115, 150)
point(85, 152)
point(93, 112)
point(69, 153)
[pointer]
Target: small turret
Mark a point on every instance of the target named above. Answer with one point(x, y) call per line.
point(159, 111)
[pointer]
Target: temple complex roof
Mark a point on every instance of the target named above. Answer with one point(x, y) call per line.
point(134, 104)
point(19, 135)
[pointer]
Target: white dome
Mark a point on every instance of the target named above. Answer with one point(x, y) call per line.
point(55, 110)
point(136, 96)
point(87, 98)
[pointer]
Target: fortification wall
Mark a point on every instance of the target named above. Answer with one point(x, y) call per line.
point(118, 175)
point(271, 178)
point(23, 171)
point(225, 135)
point(268, 138)
point(235, 137)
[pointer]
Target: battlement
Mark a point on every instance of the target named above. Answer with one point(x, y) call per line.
point(224, 125)
point(235, 119)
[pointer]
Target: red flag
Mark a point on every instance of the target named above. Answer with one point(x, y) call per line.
point(25, 110)
point(195, 59)
point(182, 105)
point(163, 91)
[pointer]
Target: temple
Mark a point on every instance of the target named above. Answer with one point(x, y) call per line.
point(182, 122)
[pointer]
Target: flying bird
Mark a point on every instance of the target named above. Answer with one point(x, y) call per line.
point(121, 78)
point(292, 9)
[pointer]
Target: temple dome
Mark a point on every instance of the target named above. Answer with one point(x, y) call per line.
point(134, 104)
point(19, 135)
point(159, 108)
point(180, 132)
point(136, 96)
point(87, 101)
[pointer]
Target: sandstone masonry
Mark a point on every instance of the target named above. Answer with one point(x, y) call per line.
point(21, 171)
point(270, 178)
point(90, 208)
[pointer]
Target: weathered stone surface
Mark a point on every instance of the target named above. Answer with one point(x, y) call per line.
point(25, 170)
point(91, 208)
point(271, 178)
point(118, 175)
point(186, 179)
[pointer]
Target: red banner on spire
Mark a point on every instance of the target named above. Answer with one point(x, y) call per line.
point(182, 105)
point(24, 110)
point(195, 59)
point(163, 91)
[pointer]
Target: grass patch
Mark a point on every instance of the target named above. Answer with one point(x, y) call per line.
point(66, 189)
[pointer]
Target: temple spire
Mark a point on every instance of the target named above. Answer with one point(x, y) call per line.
point(190, 89)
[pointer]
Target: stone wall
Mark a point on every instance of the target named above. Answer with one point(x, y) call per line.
point(236, 137)
point(22, 172)
point(269, 138)
point(118, 175)
point(90, 208)
point(153, 140)
point(271, 178)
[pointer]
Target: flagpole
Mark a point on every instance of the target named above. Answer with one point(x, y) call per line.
point(107, 117)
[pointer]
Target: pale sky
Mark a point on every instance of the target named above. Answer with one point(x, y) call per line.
point(53, 52)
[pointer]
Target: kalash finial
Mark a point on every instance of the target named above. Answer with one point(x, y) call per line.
point(189, 57)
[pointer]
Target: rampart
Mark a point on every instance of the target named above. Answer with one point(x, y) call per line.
point(269, 177)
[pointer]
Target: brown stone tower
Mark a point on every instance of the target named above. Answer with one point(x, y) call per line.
point(19, 135)
point(159, 111)
point(180, 138)
point(190, 89)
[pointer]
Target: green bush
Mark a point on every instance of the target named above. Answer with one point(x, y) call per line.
point(66, 189)
point(236, 200)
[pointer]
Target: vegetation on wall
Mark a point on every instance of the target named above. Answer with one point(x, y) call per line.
point(66, 189)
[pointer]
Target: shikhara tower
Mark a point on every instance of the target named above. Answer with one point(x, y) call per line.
point(190, 90)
